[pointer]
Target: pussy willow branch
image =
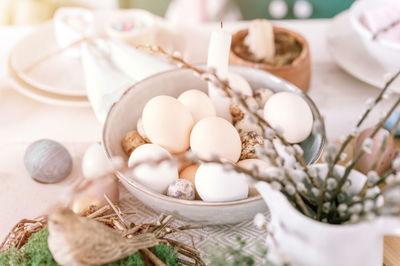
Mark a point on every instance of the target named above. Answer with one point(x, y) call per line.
point(359, 123)
point(383, 178)
point(298, 198)
point(347, 141)
point(381, 151)
point(361, 152)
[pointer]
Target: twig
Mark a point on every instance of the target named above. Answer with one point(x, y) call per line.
point(133, 230)
point(188, 254)
point(116, 210)
point(99, 212)
point(163, 225)
point(384, 176)
point(385, 29)
point(381, 151)
point(347, 141)
point(185, 233)
point(183, 246)
point(153, 258)
point(361, 152)
point(185, 262)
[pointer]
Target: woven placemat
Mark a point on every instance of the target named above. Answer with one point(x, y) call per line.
point(222, 235)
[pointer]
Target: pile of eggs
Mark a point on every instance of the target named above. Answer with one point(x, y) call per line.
point(171, 126)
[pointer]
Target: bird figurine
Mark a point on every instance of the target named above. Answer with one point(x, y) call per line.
point(78, 241)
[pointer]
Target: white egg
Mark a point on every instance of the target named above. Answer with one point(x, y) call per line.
point(239, 84)
point(155, 177)
point(214, 136)
point(94, 162)
point(199, 104)
point(290, 113)
point(167, 122)
point(214, 183)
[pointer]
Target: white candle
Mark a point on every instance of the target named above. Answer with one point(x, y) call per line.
point(260, 40)
point(218, 58)
point(218, 52)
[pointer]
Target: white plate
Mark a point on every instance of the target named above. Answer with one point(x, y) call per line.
point(43, 96)
point(349, 52)
point(59, 74)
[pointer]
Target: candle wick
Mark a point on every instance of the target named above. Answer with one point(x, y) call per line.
point(222, 24)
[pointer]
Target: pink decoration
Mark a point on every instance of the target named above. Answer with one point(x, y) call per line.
point(382, 17)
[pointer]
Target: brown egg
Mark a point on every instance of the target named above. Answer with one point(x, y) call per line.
point(182, 164)
point(94, 195)
point(82, 204)
point(248, 164)
point(189, 174)
point(366, 162)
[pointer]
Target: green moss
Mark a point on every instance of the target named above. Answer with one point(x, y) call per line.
point(36, 252)
point(163, 251)
point(166, 253)
point(12, 257)
point(132, 260)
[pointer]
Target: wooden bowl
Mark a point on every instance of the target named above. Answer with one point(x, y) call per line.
point(297, 73)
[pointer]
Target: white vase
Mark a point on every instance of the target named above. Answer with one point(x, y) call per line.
point(305, 241)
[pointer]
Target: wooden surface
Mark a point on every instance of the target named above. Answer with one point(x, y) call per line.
point(391, 256)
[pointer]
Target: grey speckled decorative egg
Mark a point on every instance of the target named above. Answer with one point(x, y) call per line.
point(181, 189)
point(47, 161)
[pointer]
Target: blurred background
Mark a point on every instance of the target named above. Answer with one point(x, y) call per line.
point(22, 12)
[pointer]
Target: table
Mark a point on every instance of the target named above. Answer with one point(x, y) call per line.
point(339, 96)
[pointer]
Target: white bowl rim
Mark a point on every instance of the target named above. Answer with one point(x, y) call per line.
point(199, 203)
point(355, 11)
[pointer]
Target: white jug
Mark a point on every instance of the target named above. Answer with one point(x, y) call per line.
point(304, 241)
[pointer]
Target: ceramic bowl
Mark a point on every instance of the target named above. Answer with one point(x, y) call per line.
point(124, 114)
point(298, 72)
point(387, 52)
